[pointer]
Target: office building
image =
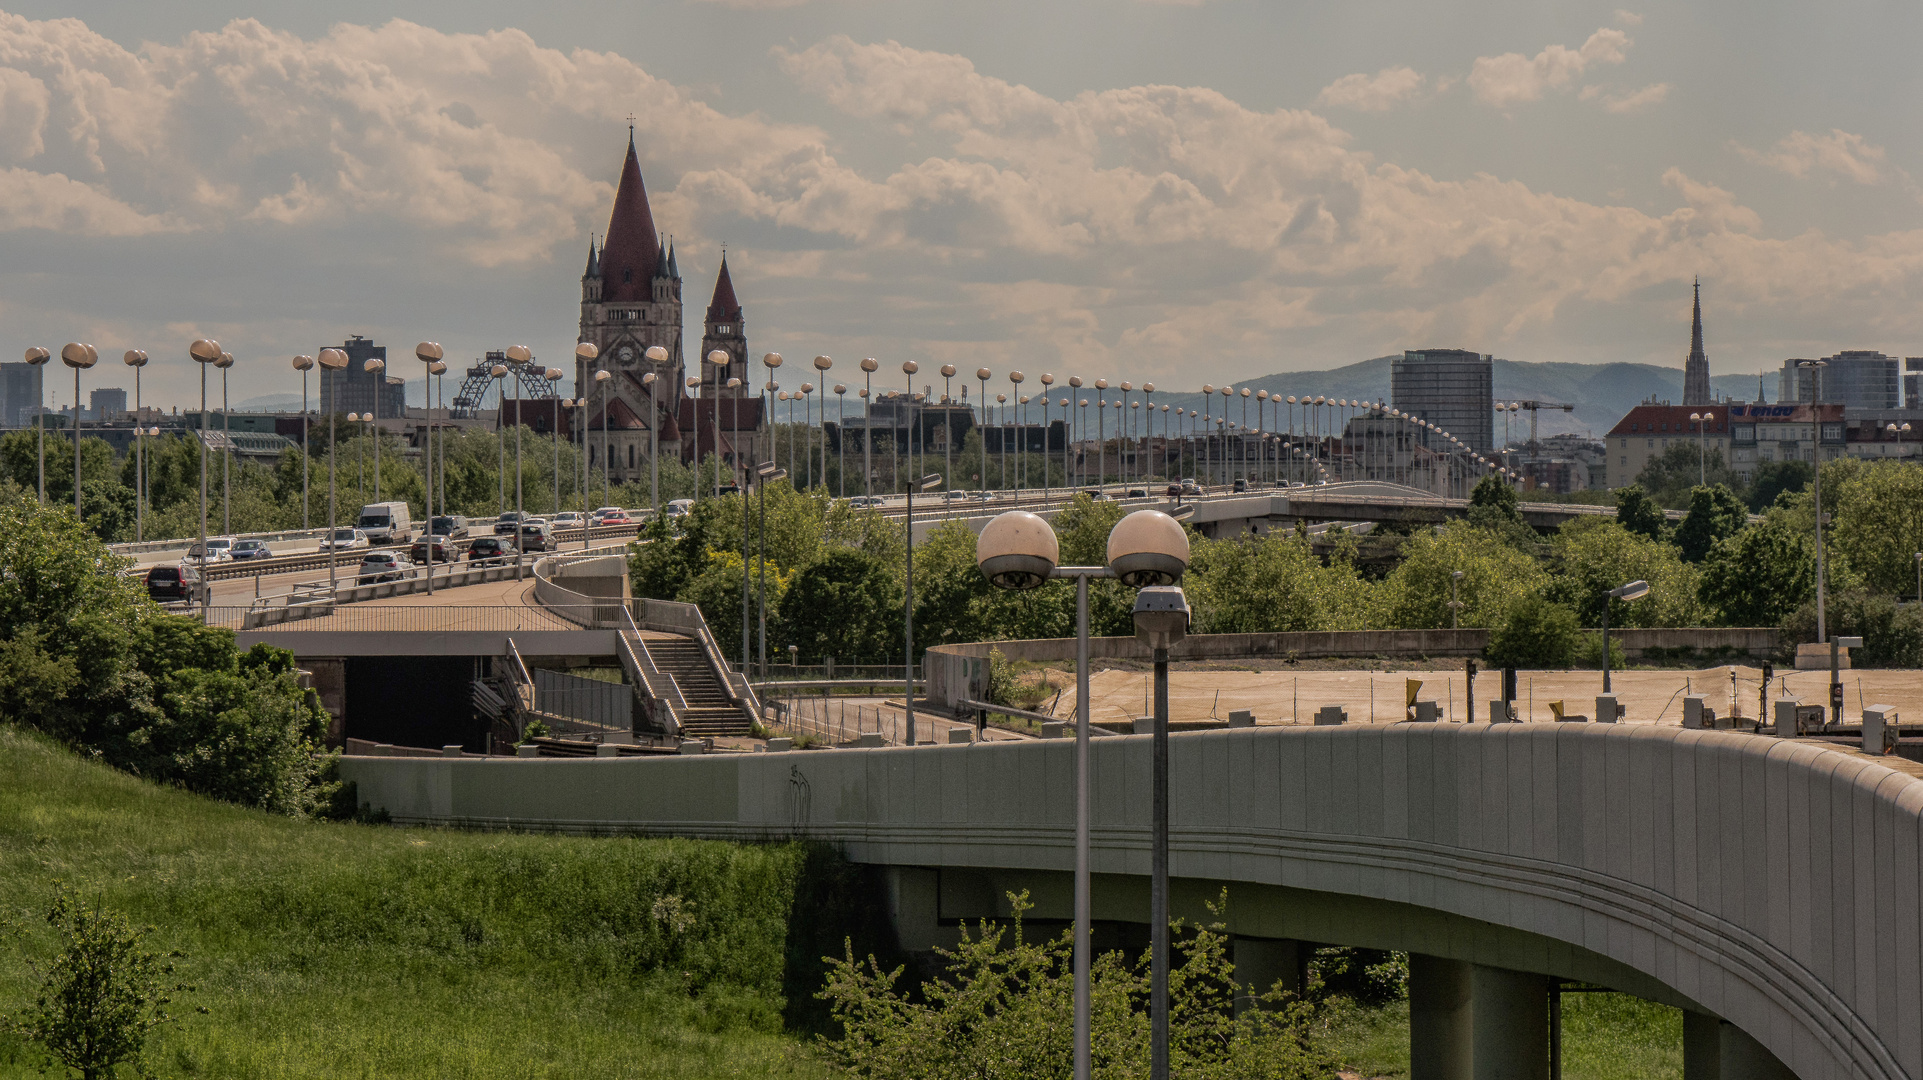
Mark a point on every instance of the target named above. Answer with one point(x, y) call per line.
point(106, 403)
point(1853, 378)
point(20, 393)
point(357, 387)
point(1452, 389)
point(1912, 376)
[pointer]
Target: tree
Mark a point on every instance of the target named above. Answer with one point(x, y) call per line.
point(1670, 475)
point(1416, 593)
point(1772, 478)
point(844, 605)
point(1274, 583)
point(1534, 633)
point(1638, 513)
point(1714, 513)
point(1595, 555)
point(102, 995)
point(1762, 573)
point(1877, 510)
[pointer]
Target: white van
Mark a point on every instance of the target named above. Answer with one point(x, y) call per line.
point(386, 523)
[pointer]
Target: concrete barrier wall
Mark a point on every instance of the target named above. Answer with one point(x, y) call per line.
point(1776, 884)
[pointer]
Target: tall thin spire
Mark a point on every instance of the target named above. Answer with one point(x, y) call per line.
point(630, 250)
point(1696, 390)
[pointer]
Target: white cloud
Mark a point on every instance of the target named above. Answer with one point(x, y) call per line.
point(1628, 18)
point(1841, 153)
point(1512, 77)
point(1632, 101)
point(1374, 93)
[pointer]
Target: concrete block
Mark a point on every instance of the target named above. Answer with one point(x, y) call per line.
point(961, 735)
point(1693, 712)
point(1815, 656)
point(1055, 729)
point(1426, 712)
point(1879, 729)
point(451, 750)
point(1607, 711)
point(1241, 718)
point(688, 746)
point(610, 750)
point(1784, 710)
point(1145, 725)
point(777, 746)
point(1501, 712)
point(527, 751)
point(866, 740)
point(1330, 716)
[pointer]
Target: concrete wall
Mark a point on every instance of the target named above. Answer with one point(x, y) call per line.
point(1775, 884)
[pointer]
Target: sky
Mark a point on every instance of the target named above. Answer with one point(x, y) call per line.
point(1182, 191)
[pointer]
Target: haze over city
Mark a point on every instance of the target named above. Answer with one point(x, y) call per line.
point(1173, 191)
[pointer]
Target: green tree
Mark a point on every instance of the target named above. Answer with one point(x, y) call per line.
point(847, 605)
point(1877, 510)
point(101, 995)
point(1772, 478)
point(1274, 583)
point(1714, 513)
point(1640, 514)
point(1761, 574)
point(1671, 475)
point(1595, 555)
point(1416, 593)
point(1534, 633)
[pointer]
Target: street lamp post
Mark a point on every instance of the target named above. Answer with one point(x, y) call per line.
point(227, 452)
point(137, 359)
point(303, 364)
point(38, 356)
point(908, 369)
point(654, 354)
point(520, 356)
point(822, 364)
point(841, 438)
point(1019, 550)
point(1701, 420)
point(947, 425)
point(769, 472)
point(334, 360)
point(79, 357)
point(601, 379)
point(1815, 369)
point(869, 365)
point(1898, 432)
point(428, 353)
point(498, 372)
point(1629, 593)
point(1455, 606)
point(205, 351)
point(554, 376)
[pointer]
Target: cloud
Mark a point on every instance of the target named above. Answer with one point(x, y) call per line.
point(1374, 93)
point(1628, 18)
point(1633, 101)
point(1840, 153)
point(1512, 77)
point(757, 5)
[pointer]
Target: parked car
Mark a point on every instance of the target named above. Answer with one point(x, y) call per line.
point(452, 526)
point(219, 549)
point(1240, 485)
point(344, 540)
point(173, 582)
point(508, 524)
point(245, 550)
point(385, 566)
point(537, 535)
point(488, 547)
point(432, 549)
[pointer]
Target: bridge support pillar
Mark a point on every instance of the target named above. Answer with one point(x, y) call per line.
point(1716, 1049)
point(1702, 1047)
point(1468, 1021)
point(1260, 963)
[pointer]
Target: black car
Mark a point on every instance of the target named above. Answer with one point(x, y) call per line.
point(488, 547)
point(244, 550)
point(173, 582)
point(1174, 491)
point(1240, 486)
point(452, 526)
point(508, 524)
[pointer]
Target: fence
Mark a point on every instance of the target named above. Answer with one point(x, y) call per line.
point(422, 617)
point(591, 701)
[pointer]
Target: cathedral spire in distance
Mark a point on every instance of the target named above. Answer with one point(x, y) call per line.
point(631, 249)
point(1696, 389)
point(724, 307)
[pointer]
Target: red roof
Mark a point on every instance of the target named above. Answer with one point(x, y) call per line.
point(724, 307)
point(619, 418)
point(540, 415)
point(631, 251)
point(1672, 420)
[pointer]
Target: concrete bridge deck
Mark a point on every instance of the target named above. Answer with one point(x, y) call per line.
point(1774, 889)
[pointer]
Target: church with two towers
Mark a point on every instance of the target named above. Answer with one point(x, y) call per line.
point(631, 302)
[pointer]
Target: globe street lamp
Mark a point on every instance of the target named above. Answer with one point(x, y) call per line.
point(331, 360)
point(554, 377)
point(428, 352)
point(438, 369)
point(1019, 550)
point(606, 392)
point(655, 355)
point(1898, 432)
point(822, 364)
point(520, 356)
point(1629, 593)
point(205, 351)
point(378, 368)
point(947, 425)
point(869, 365)
point(137, 359)
point(1701, 420)
point(1815, 369)
point(79, 357)
point(841, 438)
point(498, 373)
point(303, 364)
point(38, 356)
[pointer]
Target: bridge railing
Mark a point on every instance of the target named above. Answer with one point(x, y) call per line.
point(501, 618)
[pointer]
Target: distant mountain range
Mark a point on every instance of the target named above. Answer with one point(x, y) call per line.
point(1601, 393)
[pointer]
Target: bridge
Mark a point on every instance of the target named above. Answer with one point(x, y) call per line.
point(1769, 888)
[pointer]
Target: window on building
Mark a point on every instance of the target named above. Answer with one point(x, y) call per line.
point(630, 455)
point(1625, 462)
point(1632, 427)
point(627, 276)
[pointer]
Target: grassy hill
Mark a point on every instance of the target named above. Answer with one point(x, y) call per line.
point(335, 950)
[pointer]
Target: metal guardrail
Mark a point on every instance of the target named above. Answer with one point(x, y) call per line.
point(492, 618)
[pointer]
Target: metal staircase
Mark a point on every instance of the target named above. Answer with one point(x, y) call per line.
point(710, 709)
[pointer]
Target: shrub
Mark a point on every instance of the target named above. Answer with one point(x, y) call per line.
point(1536, 633)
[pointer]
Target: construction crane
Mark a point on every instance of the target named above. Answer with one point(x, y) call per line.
point(1535, 408)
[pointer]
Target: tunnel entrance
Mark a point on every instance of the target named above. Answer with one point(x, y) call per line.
point(413, 701)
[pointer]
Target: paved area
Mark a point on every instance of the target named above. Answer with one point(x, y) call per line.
point(1647, 696)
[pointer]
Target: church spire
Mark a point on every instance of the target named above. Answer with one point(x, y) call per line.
point(594, 259)
point(724, 307)
point(1696, 389)
point(631, 251)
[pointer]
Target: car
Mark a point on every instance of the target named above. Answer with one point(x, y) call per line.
point(432, 549)
point(173, 582)
point(728, 489)
point(452, 526)
point(1189, 486)
point(385, 566)
point(1138, 493)
point(615, 519)
point(245, 550)
point(680, 507)
point(1240, 486)
point(1096, 494)
point(507, 524)
point(1174, 491)
point(566, 519)
point(488, 547)
point(344, 540)
point(219, 549)
point(602, 513)
point(536, 535)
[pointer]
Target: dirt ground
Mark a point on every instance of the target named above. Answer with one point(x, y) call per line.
point(1647, 696)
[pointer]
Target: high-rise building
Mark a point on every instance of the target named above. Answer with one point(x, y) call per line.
point(357, 387)
point(20, 393)
point(1452, 389)
point(1912, 391)
point(106, 403)
point(1853, 378)
point(1696, 389)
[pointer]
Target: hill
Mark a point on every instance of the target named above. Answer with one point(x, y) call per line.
point(1602, 393)
point(324, 950)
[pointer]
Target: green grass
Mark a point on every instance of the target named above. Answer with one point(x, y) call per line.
point(337, 950)
point(1604, 1037)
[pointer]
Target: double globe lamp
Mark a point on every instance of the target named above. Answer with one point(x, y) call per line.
point(1147, 550)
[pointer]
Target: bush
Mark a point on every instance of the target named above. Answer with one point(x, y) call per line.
point(1892, 635)
point(1536, 633)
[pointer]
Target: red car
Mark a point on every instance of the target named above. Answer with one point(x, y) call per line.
point(616, 519)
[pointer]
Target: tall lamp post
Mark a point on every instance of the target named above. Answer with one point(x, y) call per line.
point(554, 377)
point(1629, 593)
point(498, 373)
point(227, 452)
point(1019, 550)
point(1701, 420)
point(205, 351)
point(654, 354)
point(908, 369)
point(79, 357)
point(37, 357)
point(947, 425)
point(137, 359)
point(303, 364)
point(428, 352)
point(331, 360)
point(841, 438)
point(601, 386)
point(1896, 431)
point(1815, 369)
point(520, 356)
